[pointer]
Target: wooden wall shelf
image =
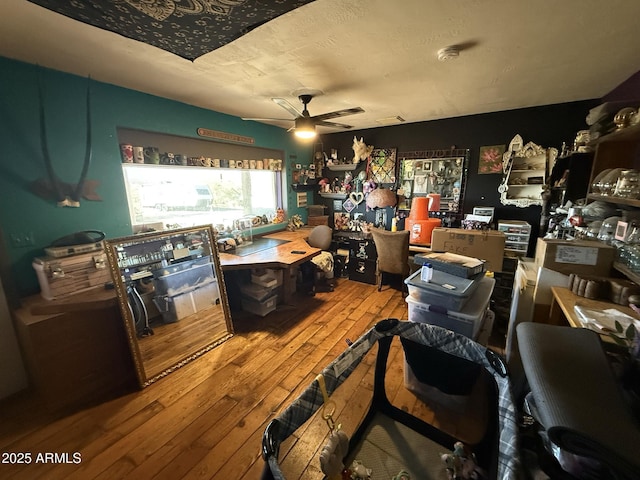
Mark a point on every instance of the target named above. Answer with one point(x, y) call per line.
point(343, 167)
point(298, 187)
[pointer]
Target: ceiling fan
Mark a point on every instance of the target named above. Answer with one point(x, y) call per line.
point(305, 124)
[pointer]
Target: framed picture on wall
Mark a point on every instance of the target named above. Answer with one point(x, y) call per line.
point(341, 221)
point(490, 159)
point(383, 165)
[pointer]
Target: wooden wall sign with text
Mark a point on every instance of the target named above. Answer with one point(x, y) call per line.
point(232, 137)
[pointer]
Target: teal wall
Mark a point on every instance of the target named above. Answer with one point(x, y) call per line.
point(22, 161)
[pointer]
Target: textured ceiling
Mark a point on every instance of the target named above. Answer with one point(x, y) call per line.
point(375, 54)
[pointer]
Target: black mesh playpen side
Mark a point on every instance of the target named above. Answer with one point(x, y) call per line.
point(498, 450)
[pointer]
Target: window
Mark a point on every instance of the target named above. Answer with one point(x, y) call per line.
point(185, 197)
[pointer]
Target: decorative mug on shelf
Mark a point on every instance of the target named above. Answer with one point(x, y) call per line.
point(152, 155)
point(138, 154)
point(126, 151)
point(168, 158)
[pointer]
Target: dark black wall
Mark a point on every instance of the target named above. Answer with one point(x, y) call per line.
point(547, 126)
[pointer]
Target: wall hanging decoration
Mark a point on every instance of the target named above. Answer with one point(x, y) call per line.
point(361, 151)
point(525, 173)
point(490, 159)
point(382, 165)
point(187, 29)
point(341, 221)
point(434, 172)
point(65, 194)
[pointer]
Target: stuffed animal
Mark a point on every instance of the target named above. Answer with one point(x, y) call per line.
point(368, 186)
point(295, 222)
point(359, 471)
point(333, 453)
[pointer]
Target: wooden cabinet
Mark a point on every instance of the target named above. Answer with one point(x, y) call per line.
point(75, 357)
point(620, 149)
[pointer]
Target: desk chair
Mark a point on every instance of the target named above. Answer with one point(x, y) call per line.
point(393, 253)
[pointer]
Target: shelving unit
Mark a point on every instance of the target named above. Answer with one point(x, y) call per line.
point(336, 196)
point(526, 179)
point(303, 187)
point(620, 149)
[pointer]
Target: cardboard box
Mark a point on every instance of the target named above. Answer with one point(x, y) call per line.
point(487, 245)
point(318, 220)
point(575, 256)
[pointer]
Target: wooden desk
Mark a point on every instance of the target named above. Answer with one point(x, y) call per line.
point(562, 311)
point(279, 256)
point(413, 247)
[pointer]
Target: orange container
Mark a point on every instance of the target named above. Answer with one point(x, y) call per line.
point(419, 208)
point(420, 230)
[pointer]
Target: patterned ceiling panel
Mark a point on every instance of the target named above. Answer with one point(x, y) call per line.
point(187, 28)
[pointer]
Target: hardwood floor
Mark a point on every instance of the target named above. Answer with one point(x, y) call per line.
point(206, 420)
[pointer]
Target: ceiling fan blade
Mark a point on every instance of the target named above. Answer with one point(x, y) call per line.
point(268, 119)
point(338, 113)
point(332, 124)
point(288, 107)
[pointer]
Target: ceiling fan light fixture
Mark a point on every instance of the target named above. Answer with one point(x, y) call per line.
point(305, 128)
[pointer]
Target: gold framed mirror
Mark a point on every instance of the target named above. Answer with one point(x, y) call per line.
point(172, 297)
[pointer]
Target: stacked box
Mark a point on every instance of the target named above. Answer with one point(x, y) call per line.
point(487, 245)
point(452, 263)
point(444, 290)
point(467, 321)
point(261, 308)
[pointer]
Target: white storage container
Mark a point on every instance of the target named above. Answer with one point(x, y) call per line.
point(466, 322)
point(264, 279)
point(256, 292)
point(262, 308)
point(66, 276)
point(435, 292)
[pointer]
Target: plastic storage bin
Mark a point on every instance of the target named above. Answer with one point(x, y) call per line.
point(466, 321)
point(262, 308)
point(184, 276)
point(256, 292)
point(434, 293)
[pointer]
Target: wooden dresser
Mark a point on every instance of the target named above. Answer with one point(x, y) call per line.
point(76, 351)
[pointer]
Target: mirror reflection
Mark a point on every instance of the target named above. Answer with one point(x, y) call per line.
point(440, 173)
point(172, 297)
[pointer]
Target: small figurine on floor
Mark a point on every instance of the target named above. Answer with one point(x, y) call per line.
point(403, 475)
point(461, 464)
point(358, 471)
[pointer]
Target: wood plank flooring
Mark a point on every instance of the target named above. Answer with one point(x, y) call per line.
point(206, 420)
